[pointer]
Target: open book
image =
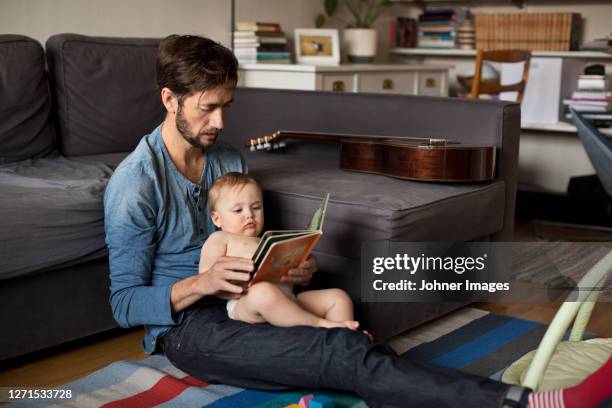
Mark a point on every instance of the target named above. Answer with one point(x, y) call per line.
point(280, 251)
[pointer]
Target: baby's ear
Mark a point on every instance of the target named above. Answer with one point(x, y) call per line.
point(216, 219)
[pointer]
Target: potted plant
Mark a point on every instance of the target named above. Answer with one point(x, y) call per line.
point(359, 38)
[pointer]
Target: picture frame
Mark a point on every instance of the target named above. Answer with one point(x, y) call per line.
point(315, 46)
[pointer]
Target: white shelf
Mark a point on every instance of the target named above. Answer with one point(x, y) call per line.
point(343, 67)
point(556, 127)
point(472, 53)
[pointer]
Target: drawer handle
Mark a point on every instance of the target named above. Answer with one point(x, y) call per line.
point(338, 86)
point(430, 82)
point(387, 84)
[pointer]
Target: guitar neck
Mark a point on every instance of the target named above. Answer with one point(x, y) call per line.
point(336, 137)
point(280, 135)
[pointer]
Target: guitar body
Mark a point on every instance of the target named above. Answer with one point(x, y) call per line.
point(406, 158)
point(448, 163)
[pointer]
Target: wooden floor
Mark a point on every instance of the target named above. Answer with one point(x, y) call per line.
point(70, 362)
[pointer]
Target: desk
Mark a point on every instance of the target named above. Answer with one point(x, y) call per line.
point(410, 79)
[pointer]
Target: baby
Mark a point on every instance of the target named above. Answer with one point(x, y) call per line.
point(236, 207)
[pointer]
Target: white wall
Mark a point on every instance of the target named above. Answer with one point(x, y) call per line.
point(147, 18)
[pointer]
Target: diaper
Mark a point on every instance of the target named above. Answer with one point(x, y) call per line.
point(231, 304)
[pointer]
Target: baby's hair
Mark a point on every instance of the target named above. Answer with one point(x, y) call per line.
point(231, 179)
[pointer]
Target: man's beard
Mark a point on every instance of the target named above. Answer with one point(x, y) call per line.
point(183, 128)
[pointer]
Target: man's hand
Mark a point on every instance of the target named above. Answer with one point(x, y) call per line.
point(303, 273)
point(227, 278)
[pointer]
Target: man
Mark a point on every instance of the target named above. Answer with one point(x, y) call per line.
point(156, 223)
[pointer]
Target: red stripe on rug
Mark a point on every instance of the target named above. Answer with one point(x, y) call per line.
point(164, 390)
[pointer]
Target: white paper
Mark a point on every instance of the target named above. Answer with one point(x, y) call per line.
point(543, 93)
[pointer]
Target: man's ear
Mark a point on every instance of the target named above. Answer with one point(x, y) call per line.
point(216, 218)
point(169, 100)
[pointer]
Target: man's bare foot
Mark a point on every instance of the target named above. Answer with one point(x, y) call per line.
point(349, 324)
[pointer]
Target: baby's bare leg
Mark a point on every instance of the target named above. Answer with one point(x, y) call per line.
point(265, 301)
point(332, 304)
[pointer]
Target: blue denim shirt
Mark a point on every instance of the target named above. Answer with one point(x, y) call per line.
point(156, 221)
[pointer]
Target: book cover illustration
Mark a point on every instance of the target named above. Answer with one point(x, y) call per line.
point(280, 251)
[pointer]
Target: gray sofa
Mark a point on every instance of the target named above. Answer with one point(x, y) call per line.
point(70, 114)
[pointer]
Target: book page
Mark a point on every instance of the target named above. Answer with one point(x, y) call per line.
point(316, 223)
point(283, 256)
point(264, 246)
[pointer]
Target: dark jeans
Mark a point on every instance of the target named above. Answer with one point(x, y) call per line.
point(217, 349)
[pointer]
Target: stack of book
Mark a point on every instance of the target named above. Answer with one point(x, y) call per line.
point(436, 29)
point(593, 99)
point(466, 35)
point(528, 31)
point(599, 44)
point(403, 32)
point(261, 43)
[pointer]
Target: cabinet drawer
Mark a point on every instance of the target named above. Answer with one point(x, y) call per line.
point(336, 83)
point(391, 82)
point(432, 84)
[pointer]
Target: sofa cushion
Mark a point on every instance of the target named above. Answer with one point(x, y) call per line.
point(52, 214)
point(25, 130)
point(367, 207)
point(105, 92)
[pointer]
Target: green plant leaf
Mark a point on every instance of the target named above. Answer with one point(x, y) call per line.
point(330, 7)
point(354, 12)
point(320, 21)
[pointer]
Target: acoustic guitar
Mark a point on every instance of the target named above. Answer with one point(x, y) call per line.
point(403, 157)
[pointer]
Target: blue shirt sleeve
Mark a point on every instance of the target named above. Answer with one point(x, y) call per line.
point(130, 226)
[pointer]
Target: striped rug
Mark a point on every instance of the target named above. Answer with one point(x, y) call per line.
point(470, 340)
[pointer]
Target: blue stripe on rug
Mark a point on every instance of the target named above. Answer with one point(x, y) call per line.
point(448, 342)
point(485, 344)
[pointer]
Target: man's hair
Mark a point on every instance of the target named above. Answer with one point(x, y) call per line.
point(232, 179)
point(188, 64)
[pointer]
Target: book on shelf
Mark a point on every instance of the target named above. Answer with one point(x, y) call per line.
point(598, 44)
point(528, 31)
point(256, 34)
point(272, 48)
point(446, 44)
point(403, 32)
point(591, 94)
point(280, 251)
point(245, 42)
point(273, 40)
point(257, 42)
point(438, 28)
point(273, 57)
point(256, 26)
point(593, 83)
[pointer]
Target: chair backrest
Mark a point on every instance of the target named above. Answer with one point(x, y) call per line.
point(480, 86)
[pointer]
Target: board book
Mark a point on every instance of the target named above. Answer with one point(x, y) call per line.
point(280, 251)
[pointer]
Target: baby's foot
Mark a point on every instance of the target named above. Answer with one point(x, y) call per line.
point(348, 324)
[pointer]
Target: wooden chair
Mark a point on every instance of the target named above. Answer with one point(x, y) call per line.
point(480, 86)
